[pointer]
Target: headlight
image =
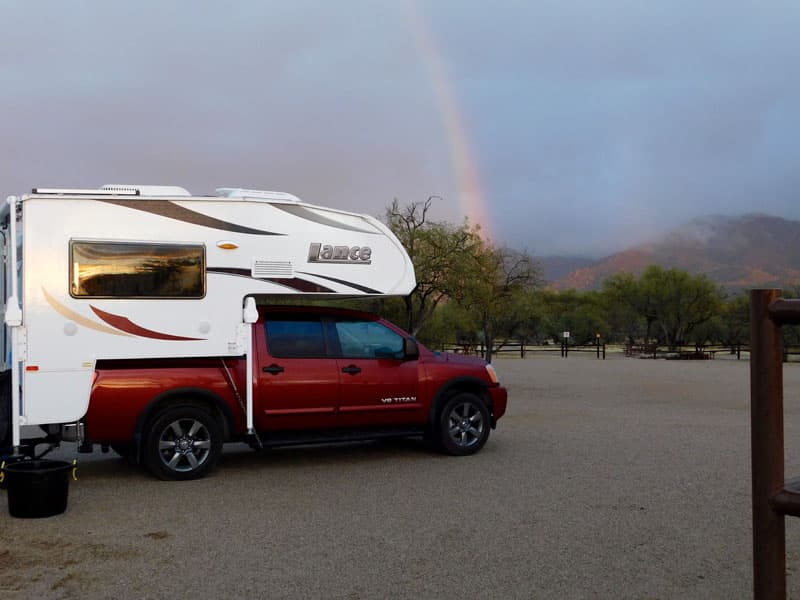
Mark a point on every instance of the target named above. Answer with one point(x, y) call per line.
point(492, 374)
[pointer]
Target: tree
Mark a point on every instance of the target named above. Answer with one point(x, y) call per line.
point(678, 302)
point(494, 290)
point(580, 313)
point(440, 253)
point(624, 305)
point(735, 320)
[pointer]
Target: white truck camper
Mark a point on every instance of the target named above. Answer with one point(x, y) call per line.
point(126, 272)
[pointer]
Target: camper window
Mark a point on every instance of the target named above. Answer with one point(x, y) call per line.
point(136, 270)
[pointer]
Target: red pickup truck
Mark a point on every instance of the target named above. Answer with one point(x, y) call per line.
point(321, 375)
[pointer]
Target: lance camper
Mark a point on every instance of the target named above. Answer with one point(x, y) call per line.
point(132, 322)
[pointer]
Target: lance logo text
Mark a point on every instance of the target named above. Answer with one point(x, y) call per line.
point(348, 255)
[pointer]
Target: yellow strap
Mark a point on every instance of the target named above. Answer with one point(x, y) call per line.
point(2, 471)
point(74, 469)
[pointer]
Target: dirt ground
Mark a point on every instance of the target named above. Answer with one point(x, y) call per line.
point(623, 478)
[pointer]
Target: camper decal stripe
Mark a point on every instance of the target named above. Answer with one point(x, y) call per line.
point(355, 286)
point(308, 215)
point(128, 326)
point(79, 319)
point(231, 271)
point(302, 285)
point(170, 210)
point(295, 283)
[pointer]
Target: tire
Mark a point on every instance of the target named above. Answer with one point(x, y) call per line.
point(182, 442)
point(463, 425)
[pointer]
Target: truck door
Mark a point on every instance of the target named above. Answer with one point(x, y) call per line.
point(298, 382)
point(378, 387)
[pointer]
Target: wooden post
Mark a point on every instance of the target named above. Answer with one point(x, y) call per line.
point(766, 422)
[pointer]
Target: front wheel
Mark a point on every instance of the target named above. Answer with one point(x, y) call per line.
point(183, 442)
point(463, 426)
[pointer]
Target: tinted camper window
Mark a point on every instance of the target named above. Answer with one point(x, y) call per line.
point(134, 270)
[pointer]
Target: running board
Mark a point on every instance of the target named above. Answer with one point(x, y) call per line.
point(337, 436)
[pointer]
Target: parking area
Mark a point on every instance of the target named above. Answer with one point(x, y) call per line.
point(621, 478)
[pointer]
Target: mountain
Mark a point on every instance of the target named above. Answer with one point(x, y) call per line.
point(558, 267)
point(754, 250)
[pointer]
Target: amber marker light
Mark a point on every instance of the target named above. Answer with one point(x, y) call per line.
point(492, 373)
point(227, 245)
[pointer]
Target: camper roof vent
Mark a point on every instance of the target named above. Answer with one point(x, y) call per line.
point(148, 190)
point(261, 194)
point(83, 192)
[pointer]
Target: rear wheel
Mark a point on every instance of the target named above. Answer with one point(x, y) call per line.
point(182, 442)
point(463, 425)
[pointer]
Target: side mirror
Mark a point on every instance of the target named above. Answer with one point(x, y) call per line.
point(410, 349)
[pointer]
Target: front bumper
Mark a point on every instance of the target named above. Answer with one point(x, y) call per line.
point(499, 396)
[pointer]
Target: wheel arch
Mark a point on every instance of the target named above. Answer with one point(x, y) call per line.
point(458, 385)
point(184, 395)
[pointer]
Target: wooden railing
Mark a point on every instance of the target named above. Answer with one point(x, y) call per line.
point(774, 497)
point(522, 349)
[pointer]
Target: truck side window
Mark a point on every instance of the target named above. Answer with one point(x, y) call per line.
point(295, 338)
point(368, 339)
point(136, 270)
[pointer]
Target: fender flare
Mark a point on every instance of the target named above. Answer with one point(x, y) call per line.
point(173, 396)
point(466, 384)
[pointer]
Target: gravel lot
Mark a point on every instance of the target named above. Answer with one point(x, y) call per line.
point(622, 478)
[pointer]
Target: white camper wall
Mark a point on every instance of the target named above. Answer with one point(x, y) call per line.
point(66, 335)
point(5, 337)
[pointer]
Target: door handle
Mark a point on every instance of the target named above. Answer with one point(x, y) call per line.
point(273, 369)
point(351, 370)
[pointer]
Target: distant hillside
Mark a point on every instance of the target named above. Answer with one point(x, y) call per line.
point(558, 267)
point(736, 252)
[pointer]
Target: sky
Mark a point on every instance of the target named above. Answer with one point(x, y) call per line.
point(561, 127)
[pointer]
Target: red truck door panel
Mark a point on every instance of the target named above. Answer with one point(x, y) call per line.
point(298, 385)
point(378, 387)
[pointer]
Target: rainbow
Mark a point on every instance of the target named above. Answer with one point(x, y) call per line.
point(464, 164)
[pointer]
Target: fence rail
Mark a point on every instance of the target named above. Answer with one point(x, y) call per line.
point(700, 351)
point(522, 349)
point(638, 350)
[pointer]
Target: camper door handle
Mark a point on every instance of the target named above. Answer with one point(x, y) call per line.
point(273, 369)
point(351, 370)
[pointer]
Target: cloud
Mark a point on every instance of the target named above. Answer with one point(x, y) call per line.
point(592, 124)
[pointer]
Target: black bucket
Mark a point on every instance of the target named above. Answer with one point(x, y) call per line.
point(4, 462)
point(37, 488)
